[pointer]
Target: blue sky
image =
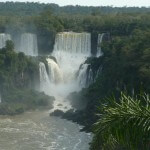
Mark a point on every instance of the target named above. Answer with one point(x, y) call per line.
point(93, 2)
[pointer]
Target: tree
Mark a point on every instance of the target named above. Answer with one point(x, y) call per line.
point(123, 125)
point(9, 45)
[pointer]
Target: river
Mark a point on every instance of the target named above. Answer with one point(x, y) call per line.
point(36, 130)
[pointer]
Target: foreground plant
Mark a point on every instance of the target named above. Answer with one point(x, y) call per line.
point(124, 125)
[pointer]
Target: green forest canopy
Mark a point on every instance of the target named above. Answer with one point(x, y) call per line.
point(28, 9)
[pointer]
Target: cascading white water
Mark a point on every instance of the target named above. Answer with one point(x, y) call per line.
point(85, 76)
point(28, 44)
point(73, 42)
point(82, 75)
point(90, 78)
point(44, 79)
point(70, 50)
point(3, 38)
point(55, 74)
point(99, 41)
point(98, 73)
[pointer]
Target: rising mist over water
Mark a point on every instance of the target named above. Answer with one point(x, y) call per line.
point(70, 51)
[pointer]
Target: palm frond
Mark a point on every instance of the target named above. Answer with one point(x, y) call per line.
point(125, 124)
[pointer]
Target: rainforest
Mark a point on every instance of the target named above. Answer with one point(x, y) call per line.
point(74, 77)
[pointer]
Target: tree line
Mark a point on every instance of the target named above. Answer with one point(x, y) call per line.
point(125, 63)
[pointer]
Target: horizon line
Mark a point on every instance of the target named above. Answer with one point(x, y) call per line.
point(47, 3)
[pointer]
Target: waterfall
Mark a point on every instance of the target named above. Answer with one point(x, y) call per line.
point(90, 77)
point(3, 38)
point(99, 41)
point(44, 79)
point(99, 71)
point(55, 74)
point(73, 42)
point(70, 51)
point(85, 76)
point(28, 44)
point(82, 75)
